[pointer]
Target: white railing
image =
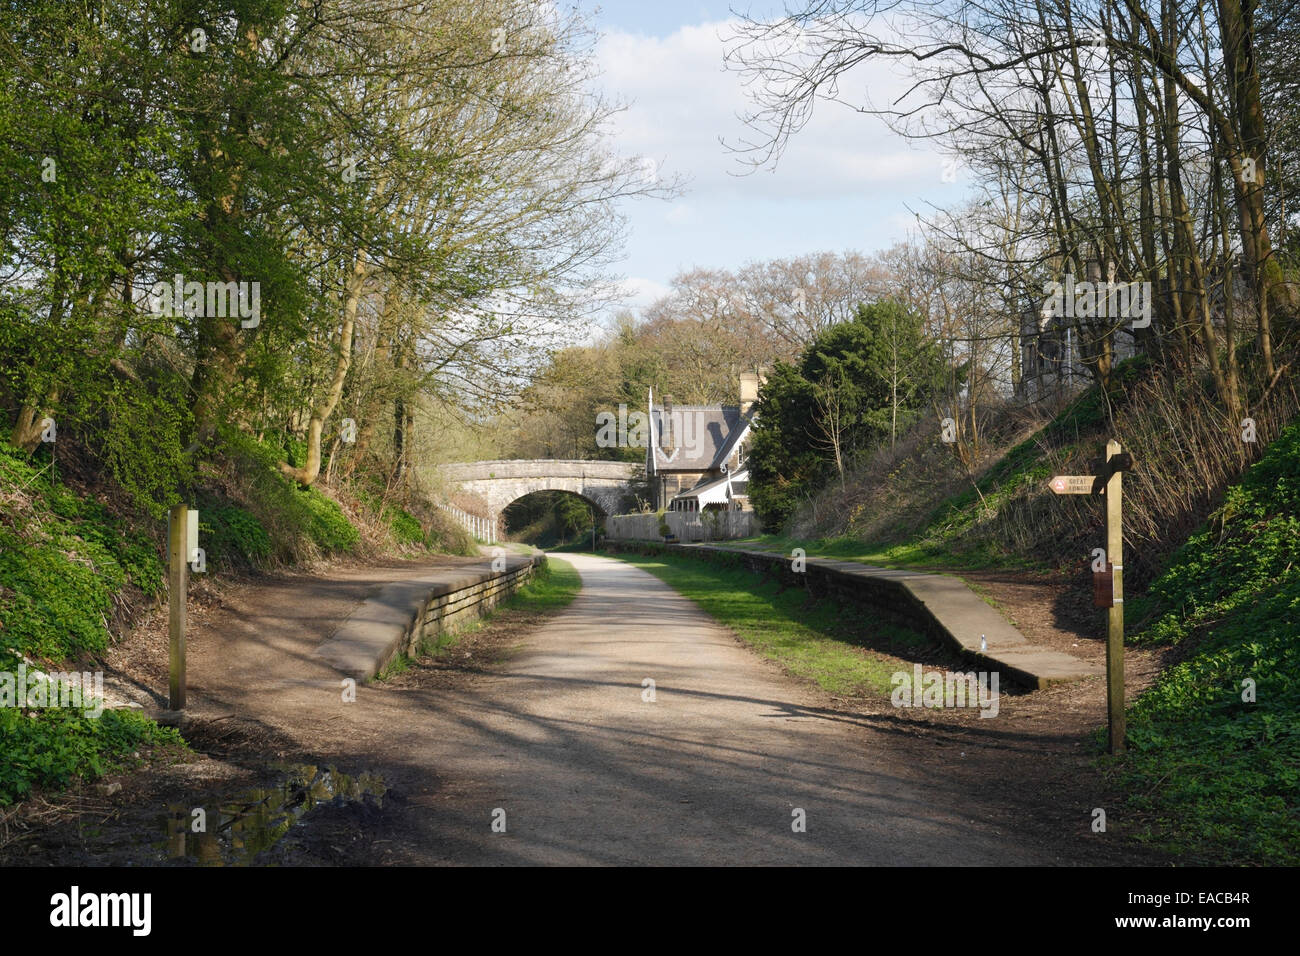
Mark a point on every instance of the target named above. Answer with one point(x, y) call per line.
point(484, 529)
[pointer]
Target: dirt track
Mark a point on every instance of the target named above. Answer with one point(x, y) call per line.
point(550, 725)
point(587, 770)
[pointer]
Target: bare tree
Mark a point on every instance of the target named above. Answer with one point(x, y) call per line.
point(1128, 133)
point(829, 420)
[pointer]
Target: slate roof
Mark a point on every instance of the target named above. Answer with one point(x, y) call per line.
point(703, 436)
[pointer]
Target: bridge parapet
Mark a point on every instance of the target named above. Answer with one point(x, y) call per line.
point(539, 468)
point(606, 484)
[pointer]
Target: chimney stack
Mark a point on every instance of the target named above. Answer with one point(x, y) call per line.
point(750, 382)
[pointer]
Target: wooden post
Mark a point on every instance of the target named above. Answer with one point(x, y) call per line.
point(1109, 481)
point(177, 582)
point(1115, 625)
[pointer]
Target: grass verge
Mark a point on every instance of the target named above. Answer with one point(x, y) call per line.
point(909, 555)
point(1214, 746)
point(65, 563)
point(824, 642)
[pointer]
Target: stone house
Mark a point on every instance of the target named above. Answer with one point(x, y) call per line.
point(695, 456)
point(1051, 360)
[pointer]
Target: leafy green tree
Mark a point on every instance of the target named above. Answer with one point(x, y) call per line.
point(89, 149)
point(573, 515)
point(849, 390)
point(784, 466)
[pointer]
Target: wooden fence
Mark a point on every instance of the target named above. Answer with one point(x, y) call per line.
point(694, 526)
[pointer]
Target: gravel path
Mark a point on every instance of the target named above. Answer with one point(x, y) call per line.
point(560, 736)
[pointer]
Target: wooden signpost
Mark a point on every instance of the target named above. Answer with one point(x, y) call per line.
point(1108, 481)
point(179, 553)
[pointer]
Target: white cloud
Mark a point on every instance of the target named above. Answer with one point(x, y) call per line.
point(639, 292)
point(680, 213)
point(683, 101)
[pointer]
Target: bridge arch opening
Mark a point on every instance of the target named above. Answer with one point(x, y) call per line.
point(548, 517)
point(607, 487)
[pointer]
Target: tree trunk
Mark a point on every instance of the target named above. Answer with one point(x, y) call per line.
point(310, 469)
point(1236, 21)
point(27, 430)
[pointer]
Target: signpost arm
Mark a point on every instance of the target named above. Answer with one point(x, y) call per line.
point(1115, 628)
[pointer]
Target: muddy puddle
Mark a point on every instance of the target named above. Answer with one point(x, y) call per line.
point(232, 832)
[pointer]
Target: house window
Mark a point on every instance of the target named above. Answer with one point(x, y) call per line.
point(740, 453)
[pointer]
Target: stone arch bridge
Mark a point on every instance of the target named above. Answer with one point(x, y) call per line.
point(605, 484)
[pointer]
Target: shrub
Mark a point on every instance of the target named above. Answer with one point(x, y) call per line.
point(53, 747)
point(298, 522)
point(62, 560)
point(406, 529)
point(328, 526)
point(235, 536)
point(1219, 772)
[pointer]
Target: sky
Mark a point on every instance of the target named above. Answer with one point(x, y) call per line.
point(846, 182)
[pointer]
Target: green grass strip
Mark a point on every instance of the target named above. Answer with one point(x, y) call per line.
point(823, 642)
